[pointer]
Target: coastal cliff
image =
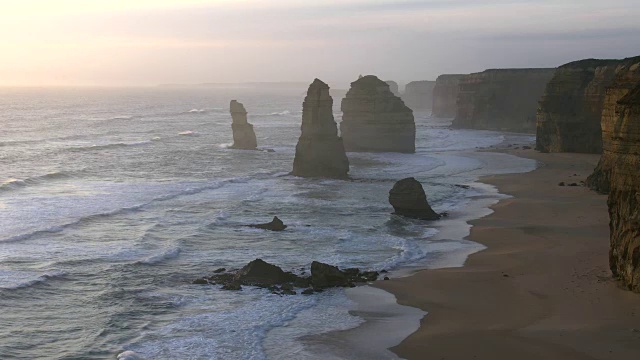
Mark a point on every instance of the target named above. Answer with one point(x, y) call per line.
point(622, 147)
point(570, 110)
point(445, 95)
point(375, 120)
point(319, 152)
point(418, 95)
point(627, 77)
point(501, 99)
point(243, 135)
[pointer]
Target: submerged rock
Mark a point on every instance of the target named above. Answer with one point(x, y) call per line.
point(275, 225)
point(445, 95)
point(375, 120)
point(319, 152)
point(409, 199)
point(243, 135)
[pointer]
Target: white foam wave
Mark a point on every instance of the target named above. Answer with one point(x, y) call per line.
point(188, 133)
point(167, 254)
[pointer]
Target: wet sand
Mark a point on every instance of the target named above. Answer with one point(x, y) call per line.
point(541, 290)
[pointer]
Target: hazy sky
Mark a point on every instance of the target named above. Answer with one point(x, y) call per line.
point(148, 42)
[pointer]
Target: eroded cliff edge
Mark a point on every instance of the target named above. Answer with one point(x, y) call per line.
point(319, 152)
point(501, 99)
point(445, 95)
point(626, 78)
point(375, 120)
point(570, 110)
point(622, 146)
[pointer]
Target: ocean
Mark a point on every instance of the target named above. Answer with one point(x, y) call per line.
point(112, 201)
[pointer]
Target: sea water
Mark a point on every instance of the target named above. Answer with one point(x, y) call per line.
point(113, 200)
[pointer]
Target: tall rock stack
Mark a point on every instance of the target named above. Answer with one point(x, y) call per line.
point(445, 95)
point(375, 120)
point(243, 135)
point(627, 77)
point(570, 110)
point(622, 147)
point(501, 99)
point(418, 95)
point(320, 152)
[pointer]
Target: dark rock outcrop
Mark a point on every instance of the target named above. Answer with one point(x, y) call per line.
point(262, 274)
point(375, 120)
point(570, 111)
point(275, 225)
point(393, 86)
point(409, 199)
point(622, 148)
point(243, 135)
point(418, 95)
point(627, 77)
point(445, 95)
point(501, 99)
point(319, 152)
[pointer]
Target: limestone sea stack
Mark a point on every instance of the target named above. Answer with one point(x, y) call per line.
point(445, 95)
point(570, 111)
point(243, 135)
point(627, 77)
point(393, 86)
point(409, 199)
point(622, 148)
point(418, 95)
point(501, 99)
point(320, 152)
point(375, 120)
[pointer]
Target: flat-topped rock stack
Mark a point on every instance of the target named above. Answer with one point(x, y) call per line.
point(501, 99)
point(418, 95)
point(614, 139)
point(319, 152)
point(570, 111)
point(375, 120)
point(243, 135)
point(445, 95)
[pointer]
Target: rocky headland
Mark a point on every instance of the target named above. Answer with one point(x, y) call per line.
point(501, 99)
point(418, 95)
point(409, 199)
point(319, 152)
point(570, 111)
point(445, 95)
point(243, 135)
point(622, 147)
point(375, 120)
point(626, 77)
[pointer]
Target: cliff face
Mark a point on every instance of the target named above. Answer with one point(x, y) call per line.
point(375, 120)
point(622, 147)
point(319, 152)
point(570, 111)
point(627, 77)
point(243, 135)
point(445, 95)
point(502, 99)
point(418, 95)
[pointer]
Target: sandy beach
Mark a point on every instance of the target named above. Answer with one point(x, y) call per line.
point(541, 290)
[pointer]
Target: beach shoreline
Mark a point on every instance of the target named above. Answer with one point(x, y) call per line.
point(540, 289)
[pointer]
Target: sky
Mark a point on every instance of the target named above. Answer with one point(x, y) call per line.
point(150, 42)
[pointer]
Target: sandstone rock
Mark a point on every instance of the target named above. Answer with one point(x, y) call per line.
point(622, 148)
point(409, 199)
point(275, 225)
point(325, 276)
point(501, 99)
point(570, 111)
point(243, 135)
point(319, 152)
point(418, 95)
point(375, 120)
point(393, 87)
point(445, 95)
point(627, 76)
